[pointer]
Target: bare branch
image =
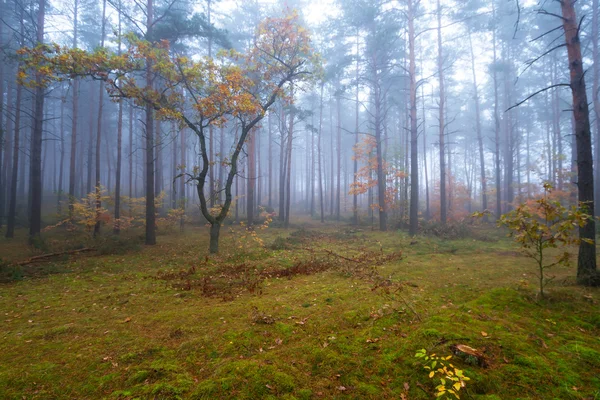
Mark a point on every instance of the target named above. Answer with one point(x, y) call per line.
point(536, 93)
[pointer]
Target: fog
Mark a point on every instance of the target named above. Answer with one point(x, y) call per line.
point(395, 115)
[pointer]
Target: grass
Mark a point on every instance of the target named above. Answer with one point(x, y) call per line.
point(167, 322)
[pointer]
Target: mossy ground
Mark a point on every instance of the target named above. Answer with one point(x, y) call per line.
point(111, 326)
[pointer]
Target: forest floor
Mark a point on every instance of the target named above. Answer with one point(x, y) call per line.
point(321, 311)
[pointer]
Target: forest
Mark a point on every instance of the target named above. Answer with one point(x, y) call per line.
point(299, 199)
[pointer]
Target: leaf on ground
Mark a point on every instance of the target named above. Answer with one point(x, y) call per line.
point(484, 334)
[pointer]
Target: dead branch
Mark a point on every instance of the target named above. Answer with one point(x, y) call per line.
point(44, 256)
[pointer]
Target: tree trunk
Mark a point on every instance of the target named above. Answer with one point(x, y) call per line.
point(215, 229)
point(150, 209)
point(62, 155)
point(596, 99)
point(484, 204)
point(251, 186)
point(270, 161)
point(496, 128)
point(288, 193)
point(587, 273)
point(12, 204)
point(99, 131)
point(442, 122)
point(414, 161)
point(339, 152)
point(355, 164)
point(319, 155)
point(130, 151)
point(35, 171)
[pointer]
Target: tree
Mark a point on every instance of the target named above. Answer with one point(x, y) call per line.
point(587, 273)
point(441, 119)
point(35, 171)
point(240, 87)
point(542, 224)
point(414, 161)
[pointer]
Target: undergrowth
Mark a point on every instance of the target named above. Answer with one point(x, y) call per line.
point(338, 313)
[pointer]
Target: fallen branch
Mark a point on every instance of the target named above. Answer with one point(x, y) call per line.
point(340, 256)
point(43, 256)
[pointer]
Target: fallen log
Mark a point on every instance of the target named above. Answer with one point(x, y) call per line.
point(61, 253)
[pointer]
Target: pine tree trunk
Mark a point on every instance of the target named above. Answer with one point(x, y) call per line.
point(596, 100)
point(496, 128)
point(587, 273)
point(414, 161)
point(319, 156)
point(35, 170)
point(150, 209)
point(12, 204)
point(484, 203)
point(442, 121)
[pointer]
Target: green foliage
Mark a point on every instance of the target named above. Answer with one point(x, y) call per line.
point(452, 379)
point(545, 224)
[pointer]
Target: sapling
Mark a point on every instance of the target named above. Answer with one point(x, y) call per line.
point(544, 224)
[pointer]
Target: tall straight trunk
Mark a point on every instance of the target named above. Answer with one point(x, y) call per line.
point(414, 134)
point(587, 273)
point(251, 184)
point(90, 152)
point(313, 164)
point(596, 99)
point(183, 161)
point(131, 150)
point(557, 133)
point(442, 121)
point(270, 161)
point(339, 152)
point(258, 173)
point(221, 166)
point(331, 161)
point(150, 209)
point(173, 166)
point(12, 205)
point(211, 135)
point(508, 133)
point(496, 127)
point(99, 130)
point(62, 156)
point(35, 169)
point(2, 129)
point(484, 202)
point(282, 164)
point(319, 155)
point(158, 160)
point(117, 224)
point(8, 159)
point(289, 165)
point(356, 105)
point(528, 158)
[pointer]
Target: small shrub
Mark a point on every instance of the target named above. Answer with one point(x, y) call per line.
point(544, 224)
point(451, 379)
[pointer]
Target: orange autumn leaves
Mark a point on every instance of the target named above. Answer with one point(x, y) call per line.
point(366, 177)
point(232, 85)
